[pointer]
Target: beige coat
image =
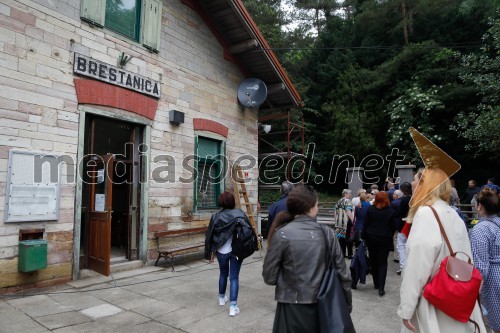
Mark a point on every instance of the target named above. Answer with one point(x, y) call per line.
point(425, 250)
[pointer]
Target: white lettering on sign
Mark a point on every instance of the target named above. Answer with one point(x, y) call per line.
point(96, 69)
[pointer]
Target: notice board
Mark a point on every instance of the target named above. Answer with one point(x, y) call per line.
point(33, 186)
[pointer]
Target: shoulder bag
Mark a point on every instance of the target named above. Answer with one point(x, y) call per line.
point(334, 315)
point(455, 288)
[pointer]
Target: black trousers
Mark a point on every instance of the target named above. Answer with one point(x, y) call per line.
point(346, 246)
point(378, 253)
point(346, 243)
point(296, 318)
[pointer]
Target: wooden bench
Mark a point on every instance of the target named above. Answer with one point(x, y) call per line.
point(170, 251)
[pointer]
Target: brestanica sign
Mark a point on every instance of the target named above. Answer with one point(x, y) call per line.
point(98, 70)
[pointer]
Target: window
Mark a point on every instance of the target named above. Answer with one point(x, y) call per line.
point(123, 16)
point(139, 20)
point(209, 171)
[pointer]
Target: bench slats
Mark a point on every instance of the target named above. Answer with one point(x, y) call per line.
point(169, 252)
point(181, 248)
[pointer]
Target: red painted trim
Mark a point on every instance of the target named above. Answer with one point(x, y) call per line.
point(201, 124)
point(101, 93)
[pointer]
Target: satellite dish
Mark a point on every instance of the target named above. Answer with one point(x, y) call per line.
point(252, 93)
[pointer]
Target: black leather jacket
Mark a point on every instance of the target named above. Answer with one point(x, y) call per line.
point(295, 262)
point(220, 229)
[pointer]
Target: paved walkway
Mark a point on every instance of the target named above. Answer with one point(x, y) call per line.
point(154, 299)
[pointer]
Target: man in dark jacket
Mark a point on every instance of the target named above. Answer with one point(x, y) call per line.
point(470, 192)
point(280, 205)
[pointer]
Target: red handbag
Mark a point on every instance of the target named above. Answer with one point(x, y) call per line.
point(455, 288)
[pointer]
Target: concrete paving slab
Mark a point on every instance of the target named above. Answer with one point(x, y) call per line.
point(62, 320)
point(186, 316)
point(4, 306)
point(264, 324)
point(13, 315)
point(157, 300)
point(100, 311)
point(123, 319)
point(76, 300)
point(22, 326)
point(148, 307)
point(112, 294)
point(88, 327)
point(151, 327)
point(38, 306)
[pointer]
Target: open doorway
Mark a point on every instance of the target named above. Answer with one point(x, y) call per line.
point(110, 216)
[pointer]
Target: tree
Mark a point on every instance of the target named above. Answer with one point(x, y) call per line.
point(481, 126)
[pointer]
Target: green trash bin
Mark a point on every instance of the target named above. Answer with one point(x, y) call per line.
point(32, 255)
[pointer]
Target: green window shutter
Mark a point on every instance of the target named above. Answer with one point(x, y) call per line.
point(93, 11)
point(151, 24)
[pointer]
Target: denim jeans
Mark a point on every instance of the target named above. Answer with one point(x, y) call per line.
point(229, 266)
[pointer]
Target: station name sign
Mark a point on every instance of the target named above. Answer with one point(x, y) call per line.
point(98, 70)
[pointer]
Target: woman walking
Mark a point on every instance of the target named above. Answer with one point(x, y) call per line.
point(295, 263)
point(218, 240)
point(425, 249)
point(360, 211)
point(378, 231)
point(485, 242)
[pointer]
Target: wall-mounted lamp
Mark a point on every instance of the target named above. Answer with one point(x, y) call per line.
point(176, 117)
point(266, 128)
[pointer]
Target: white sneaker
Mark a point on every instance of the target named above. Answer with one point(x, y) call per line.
point(222, 300)
point(234, 310)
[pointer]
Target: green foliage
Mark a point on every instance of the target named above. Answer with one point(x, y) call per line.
point(481, 126)
point(414, 106)
point(363, 86)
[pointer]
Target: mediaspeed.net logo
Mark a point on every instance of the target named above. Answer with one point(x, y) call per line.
point(433, 157)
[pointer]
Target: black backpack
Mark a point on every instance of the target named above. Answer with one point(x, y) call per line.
point(244, 238)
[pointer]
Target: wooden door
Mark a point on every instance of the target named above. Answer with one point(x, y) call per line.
point(100, 209)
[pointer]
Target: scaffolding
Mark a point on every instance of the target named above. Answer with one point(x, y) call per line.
point(286, 142)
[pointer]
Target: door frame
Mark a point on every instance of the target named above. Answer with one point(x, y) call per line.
point(144, 187)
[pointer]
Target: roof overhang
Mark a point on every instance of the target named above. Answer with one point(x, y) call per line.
point(245, 46)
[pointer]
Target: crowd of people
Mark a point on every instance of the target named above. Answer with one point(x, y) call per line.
point(366, 229)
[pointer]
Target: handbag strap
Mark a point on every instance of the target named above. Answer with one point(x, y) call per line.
point(442, 230)
point(328, 256)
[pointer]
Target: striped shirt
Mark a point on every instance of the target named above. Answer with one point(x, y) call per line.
point(485, 243)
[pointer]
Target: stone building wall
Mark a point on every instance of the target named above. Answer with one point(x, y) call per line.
point(39, 111)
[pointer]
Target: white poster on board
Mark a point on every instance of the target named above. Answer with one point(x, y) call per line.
point(100, 200)
point(33, 181)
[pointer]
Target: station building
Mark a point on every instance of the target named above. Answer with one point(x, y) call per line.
point(118, 119)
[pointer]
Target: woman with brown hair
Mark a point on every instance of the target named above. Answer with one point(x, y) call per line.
point(377, 233)
point(295, 262)
point(218, 240)
point(425, 250)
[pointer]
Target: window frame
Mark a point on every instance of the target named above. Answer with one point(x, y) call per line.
point(149, 19)
point(220, 184)
point(138, 20)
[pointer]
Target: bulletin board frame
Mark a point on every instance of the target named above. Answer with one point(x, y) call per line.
point(32, 196)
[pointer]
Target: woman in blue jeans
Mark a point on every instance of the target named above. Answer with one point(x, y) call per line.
point(218, 240)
